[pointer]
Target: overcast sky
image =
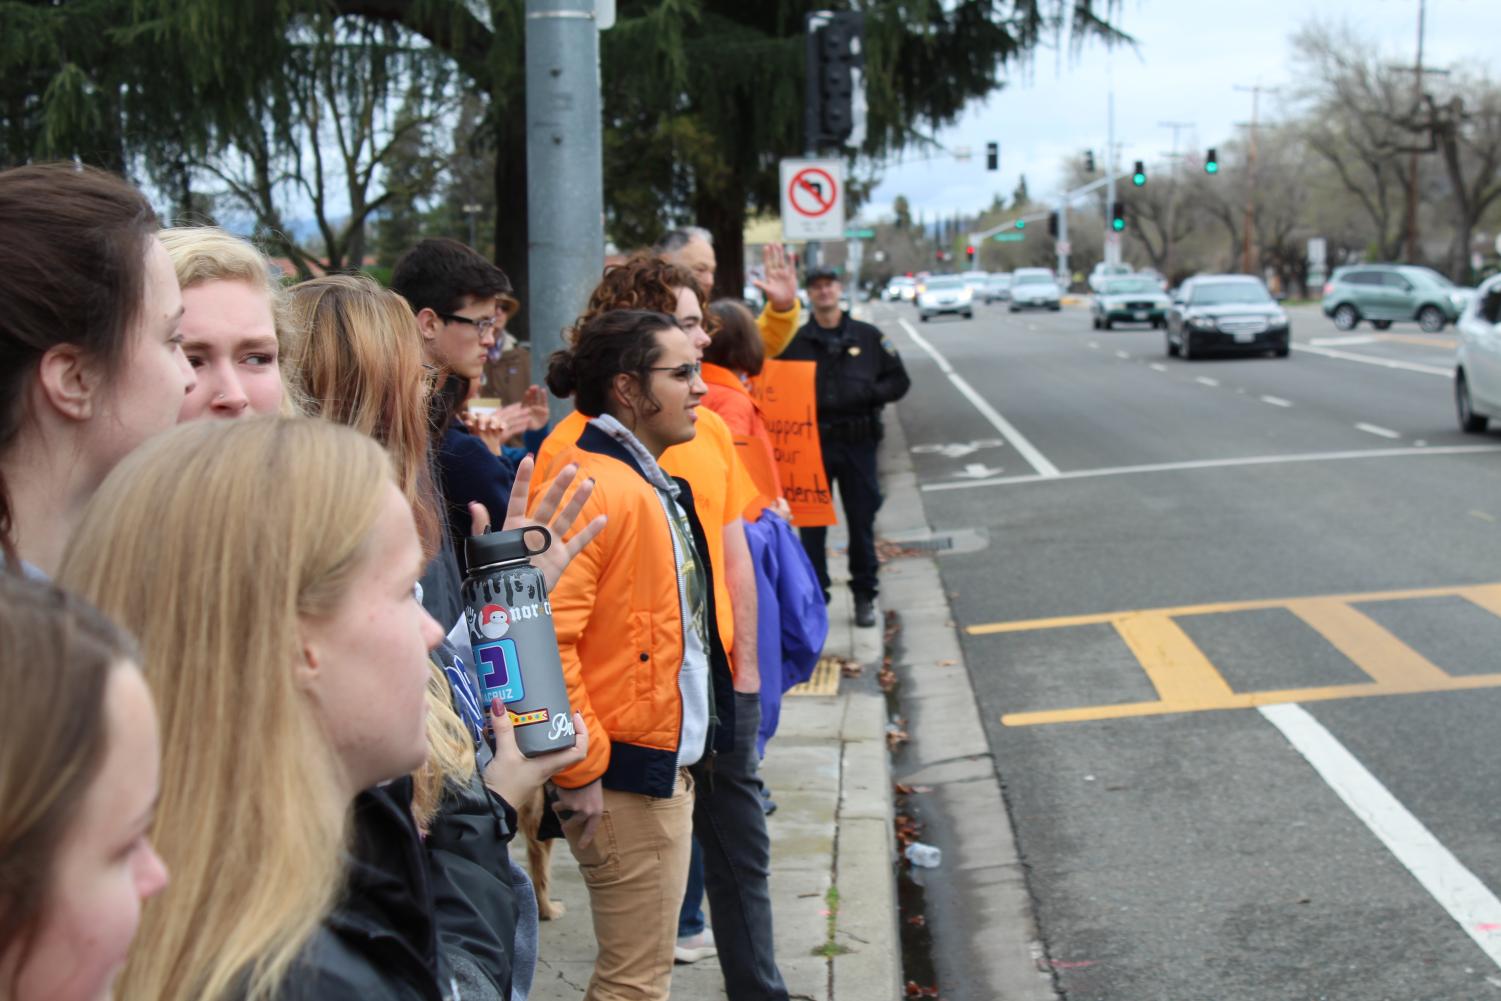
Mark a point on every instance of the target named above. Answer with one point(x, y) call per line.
point(1190, 55)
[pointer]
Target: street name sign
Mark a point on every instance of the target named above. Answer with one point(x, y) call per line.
point(812, 200)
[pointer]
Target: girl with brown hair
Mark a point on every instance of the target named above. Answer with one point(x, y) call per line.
point(91, 362)
point(77, 790)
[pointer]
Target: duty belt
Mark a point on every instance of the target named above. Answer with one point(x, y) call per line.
point(851, 430)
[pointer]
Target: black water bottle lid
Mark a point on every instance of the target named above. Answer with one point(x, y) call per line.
point(504, 547)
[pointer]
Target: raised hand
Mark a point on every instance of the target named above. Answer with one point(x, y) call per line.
point(558, 520)
point(780, 284)
point(535, 402)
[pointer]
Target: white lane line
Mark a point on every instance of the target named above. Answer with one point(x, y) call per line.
point(1276, 401)
point(1024, 448)
point(1334, 342)
point(1254, 460)
point(1204, 380)
point(1405, 366)
point(1122, 355)
point(1158, 367)
point(1377, 429)
point(1095, 345)
point(1469, 902)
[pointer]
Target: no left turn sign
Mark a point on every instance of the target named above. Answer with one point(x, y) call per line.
point(812, 200)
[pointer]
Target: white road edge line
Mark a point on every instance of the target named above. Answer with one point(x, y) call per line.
point(1253, 460)
point(1377, 429)
point(1276, 401)
point(1024, 448)
point(1469, 902)
point(1406, 366)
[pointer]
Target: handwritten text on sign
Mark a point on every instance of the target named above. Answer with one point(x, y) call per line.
point(785, 391)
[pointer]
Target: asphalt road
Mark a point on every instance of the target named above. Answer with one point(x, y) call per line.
point(1234, 639)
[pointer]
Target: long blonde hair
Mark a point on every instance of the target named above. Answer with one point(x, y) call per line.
point(212, 542)
point(355, 356)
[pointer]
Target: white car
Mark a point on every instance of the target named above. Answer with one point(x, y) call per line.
point(1103, 272)
point(1034, 288)
point(945, 294)
point(1477, 370)
point(900, 288)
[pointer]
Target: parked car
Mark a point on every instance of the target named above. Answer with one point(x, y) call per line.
point(1103, 272)
point(1035, 288)
point(1135, 299)
point(1226, 313)
point(945, 294)
point(998, 288)
point(900, 288)
point(1477, 368)
point(1388, 293)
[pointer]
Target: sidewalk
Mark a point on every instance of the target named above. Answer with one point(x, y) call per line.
point(830, 775)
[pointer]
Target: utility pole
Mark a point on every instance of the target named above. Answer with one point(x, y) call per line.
point(1172, 197)
point(1412, 158)
point(1248, 237)
point(564, 161)
point(1112, 240)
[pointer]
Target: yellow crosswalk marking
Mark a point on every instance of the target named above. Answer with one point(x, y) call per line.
point(1367, 644)
point(1178, 669)
point(1187, 681)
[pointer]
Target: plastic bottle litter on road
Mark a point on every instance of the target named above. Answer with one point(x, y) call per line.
point(924, 856)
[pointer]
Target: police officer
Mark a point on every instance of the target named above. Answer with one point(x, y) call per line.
point(858, 372)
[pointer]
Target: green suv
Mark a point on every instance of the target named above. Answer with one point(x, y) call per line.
point(1383, 293)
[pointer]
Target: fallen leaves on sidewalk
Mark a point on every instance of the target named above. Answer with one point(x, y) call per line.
point(850, 668)
point(896, 734)
point(915, 990)
point(917, 920)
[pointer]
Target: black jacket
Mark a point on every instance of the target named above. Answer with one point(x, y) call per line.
point(380, 943)
point(858, 372)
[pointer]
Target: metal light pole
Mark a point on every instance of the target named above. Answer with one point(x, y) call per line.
point(1112, 238)
point(564, 162)
point(1248, 236)
point(472, 210)
point(1412, 162)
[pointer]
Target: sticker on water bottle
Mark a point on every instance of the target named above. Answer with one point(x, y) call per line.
point(498, 668)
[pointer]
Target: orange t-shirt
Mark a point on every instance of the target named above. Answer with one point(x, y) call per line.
point(729, 398)
point(722, 489)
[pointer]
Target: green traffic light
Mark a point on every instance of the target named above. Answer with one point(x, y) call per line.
point(1021, 224)
point(1117, 224)
point(1212, 167)
point(1138, 179)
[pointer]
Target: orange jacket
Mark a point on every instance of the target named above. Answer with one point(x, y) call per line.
point(729, 398)
point(722, 489)
point(620, 626)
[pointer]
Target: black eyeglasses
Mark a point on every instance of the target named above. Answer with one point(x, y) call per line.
point(482, 326)
point(687, 373)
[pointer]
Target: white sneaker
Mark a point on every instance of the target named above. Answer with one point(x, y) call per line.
point(692, 948)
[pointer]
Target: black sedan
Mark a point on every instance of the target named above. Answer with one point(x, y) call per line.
point(1134, 299)
point(1229, 314)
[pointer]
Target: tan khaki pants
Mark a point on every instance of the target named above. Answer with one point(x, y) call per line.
point(636, 869)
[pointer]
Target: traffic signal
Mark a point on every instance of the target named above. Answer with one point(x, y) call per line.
point(1118, 217)
point(1139, 175)
point(1021, 224)
point(836, 64)
point(970, 253)
point(1212, 162)
point(1089, 161)
point(1052, 224)
point(992, 156)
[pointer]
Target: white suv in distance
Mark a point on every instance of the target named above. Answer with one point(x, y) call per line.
point(1035, 288)
point(1477, 370)
point(945, 294)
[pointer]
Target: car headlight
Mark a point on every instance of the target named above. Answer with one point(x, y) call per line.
point(1278, 319)
point(966, 295)
point(1200, 322)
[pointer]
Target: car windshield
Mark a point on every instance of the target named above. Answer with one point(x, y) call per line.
point(1001, 280)
point(943, 284)
point(1032, 279)
point(1229, 293)
point(1130, 286)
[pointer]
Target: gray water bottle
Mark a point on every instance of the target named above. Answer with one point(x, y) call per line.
point(515, 647)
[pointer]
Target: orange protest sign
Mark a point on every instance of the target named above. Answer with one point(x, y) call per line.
point(788, 400)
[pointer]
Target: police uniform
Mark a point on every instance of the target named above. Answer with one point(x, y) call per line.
point(858, 372)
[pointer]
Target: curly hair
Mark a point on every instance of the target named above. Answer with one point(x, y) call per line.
point(643, 281)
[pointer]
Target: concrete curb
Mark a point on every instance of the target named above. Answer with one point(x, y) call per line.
point(981, 878)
